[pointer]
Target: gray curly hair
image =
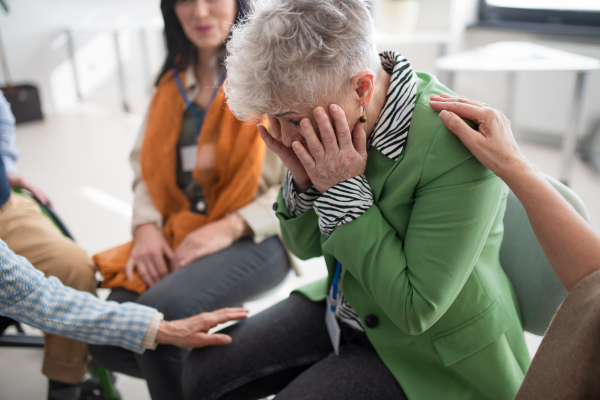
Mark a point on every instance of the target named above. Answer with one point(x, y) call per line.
point(291, 54)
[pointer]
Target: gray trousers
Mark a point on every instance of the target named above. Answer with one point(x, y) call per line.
point(224, 279)
point(285, 350)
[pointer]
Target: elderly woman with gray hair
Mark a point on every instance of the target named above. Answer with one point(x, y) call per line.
point(416, 304)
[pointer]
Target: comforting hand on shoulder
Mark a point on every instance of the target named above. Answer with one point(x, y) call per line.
point(492, 143)
point(338, 155)
point(209, 239)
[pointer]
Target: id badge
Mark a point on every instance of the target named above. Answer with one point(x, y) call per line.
point(333, 327)
point(188, 156)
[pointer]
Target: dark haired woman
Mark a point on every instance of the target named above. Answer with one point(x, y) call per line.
point(204, 234)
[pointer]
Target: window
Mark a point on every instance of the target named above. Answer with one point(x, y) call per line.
point(558, 16)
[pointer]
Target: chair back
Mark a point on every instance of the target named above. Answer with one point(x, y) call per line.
point(538, 289)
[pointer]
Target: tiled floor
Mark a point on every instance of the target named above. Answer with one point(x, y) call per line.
point(79, 157)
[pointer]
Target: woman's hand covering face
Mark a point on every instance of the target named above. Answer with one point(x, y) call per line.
point(337, 155)
point(288, 157)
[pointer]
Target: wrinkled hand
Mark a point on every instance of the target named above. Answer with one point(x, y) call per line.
point(193, 331)
point(150, 256)
point(20, 182)
point(209, 239)
point(493, 143)
point(339, 155)
point(273, 141)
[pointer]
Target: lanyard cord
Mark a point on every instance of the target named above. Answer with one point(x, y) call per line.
point(189, 105)
point(334, 284)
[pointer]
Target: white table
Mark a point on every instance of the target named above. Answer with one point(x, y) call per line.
point(515, 57)
point(440, 39)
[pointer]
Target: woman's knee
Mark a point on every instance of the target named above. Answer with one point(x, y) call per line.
point(115, 359)
point(72, 266)
point(171, 301)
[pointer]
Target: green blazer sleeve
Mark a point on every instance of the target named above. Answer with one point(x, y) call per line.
point(415, 276)
point(300, 234)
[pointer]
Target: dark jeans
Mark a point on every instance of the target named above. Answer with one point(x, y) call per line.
point(285, 350)
point(225, 279)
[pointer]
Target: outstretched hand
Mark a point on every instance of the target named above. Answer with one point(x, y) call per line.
point(493, 143)
point(193, 332)
point(338, 155)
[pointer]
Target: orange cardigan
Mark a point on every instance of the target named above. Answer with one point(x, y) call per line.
point(228, 185)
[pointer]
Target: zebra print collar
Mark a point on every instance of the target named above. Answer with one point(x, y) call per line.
point(391, 129)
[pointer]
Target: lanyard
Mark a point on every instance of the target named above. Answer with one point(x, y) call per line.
point(334, 285)
point(189, 105)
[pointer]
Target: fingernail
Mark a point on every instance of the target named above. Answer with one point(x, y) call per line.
point(445, 115)
point(305, 123)
point(334, 108)
point(318, 111)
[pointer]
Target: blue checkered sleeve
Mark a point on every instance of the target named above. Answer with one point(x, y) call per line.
point(8, 134)
point(27, 296)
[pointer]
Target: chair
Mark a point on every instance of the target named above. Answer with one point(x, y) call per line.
point(100, 386)
point(538, 290)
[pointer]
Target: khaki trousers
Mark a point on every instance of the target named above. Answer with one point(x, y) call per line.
point(32, 235)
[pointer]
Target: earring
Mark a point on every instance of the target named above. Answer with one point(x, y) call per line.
point(363, 117)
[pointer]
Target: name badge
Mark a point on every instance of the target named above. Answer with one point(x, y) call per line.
point(188, 156)
point(333, 327)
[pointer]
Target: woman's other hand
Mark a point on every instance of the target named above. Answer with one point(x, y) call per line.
point(210, 238)
point(493, 143)
point(273, 141)
point(338, 155)
point(20, 182)
point(150, 256)
point(193, 332)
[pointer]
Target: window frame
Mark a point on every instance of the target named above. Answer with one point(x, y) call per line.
point(539, 20)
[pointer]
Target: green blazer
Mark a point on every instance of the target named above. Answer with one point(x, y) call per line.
point(421, 266)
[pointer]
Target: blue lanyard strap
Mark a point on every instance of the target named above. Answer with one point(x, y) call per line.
point(189, 105)
point(334, 284)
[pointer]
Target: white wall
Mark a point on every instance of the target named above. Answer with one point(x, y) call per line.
point(37, 51)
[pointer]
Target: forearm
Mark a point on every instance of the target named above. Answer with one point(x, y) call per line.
point(571, 245)
point(78, 315)
point(144, 210)
point(300, 234)
point(27, 296)
point(259, 215)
